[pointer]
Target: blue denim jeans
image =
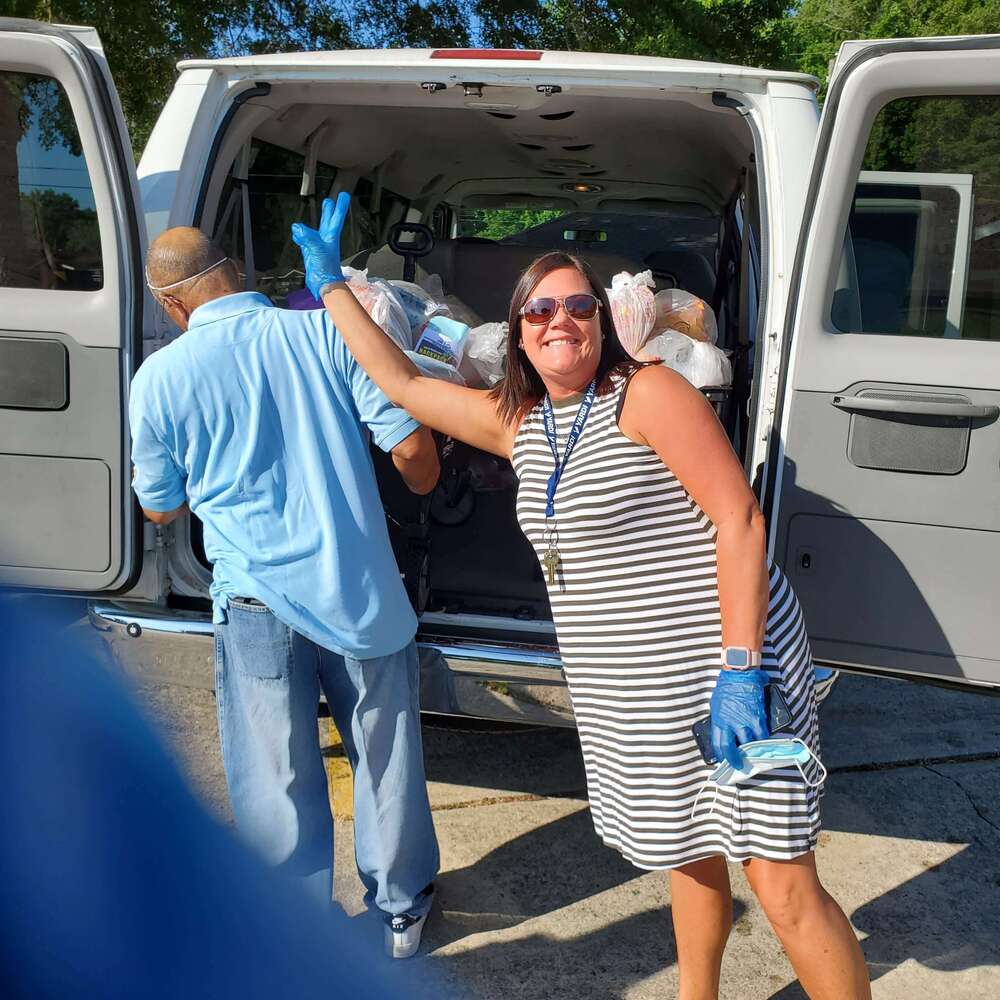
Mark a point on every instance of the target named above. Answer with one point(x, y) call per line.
point(268, 680)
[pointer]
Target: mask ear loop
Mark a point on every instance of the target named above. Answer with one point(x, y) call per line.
point(697, 798)
point(735, 809)
point(821, 770)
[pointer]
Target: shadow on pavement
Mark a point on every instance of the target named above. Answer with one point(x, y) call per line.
point(941, 918)
point(599, 965)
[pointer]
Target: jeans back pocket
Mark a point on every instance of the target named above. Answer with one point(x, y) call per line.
point(257, 643)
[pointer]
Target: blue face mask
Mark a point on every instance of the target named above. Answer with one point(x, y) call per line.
point(759, 757)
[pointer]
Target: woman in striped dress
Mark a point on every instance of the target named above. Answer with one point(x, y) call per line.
point(653, 550)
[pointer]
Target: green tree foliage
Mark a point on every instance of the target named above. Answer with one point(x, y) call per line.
point(499, 223)
point(818, 27)
point(144, 39)
point(918, 134)
point(740, 31)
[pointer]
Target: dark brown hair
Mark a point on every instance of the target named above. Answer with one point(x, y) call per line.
point(522, 387)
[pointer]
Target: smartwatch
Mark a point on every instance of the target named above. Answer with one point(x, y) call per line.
point(740, 658)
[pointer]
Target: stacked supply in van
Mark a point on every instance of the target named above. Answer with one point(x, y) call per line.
point(673, 327)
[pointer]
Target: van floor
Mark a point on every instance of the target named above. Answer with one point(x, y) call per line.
point(485, 564)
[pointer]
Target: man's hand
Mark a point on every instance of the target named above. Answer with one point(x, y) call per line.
point(417, 461)
point(163, 517)
point(321, 249)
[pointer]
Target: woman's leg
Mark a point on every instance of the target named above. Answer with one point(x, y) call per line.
point(701, 904)
point(812, 928)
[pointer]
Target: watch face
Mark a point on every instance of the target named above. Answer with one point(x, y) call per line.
point(737, 657)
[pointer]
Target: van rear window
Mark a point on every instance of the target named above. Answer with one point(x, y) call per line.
point(922, 246)
point(49, 233)
point(273, 188)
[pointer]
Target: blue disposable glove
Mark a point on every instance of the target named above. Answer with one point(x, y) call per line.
point(321, 249)
point(738, 713)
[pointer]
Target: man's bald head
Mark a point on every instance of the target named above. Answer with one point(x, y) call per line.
point(189, 267)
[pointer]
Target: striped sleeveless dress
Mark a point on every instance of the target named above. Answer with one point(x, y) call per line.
point(636, 611)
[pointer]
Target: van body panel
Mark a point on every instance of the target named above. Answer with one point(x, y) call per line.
point(71, 299)
point(882, 506)
point(881, 509)
point(792, 120)
point(398, 64)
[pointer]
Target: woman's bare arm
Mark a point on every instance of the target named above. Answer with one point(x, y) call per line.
point(468, 415)
point(662, 410)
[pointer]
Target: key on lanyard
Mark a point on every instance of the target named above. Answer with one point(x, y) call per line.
point(552, 560)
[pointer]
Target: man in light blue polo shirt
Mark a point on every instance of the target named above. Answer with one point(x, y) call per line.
point(257, 419)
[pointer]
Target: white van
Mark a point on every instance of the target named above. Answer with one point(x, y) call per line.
point(853, 261)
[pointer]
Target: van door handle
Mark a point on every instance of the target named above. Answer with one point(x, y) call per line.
point(914, 407)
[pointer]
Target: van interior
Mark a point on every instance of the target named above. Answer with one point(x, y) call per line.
point(657, 180)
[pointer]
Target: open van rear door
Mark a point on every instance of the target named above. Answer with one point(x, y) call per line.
point(70, 313)
point(883, 494)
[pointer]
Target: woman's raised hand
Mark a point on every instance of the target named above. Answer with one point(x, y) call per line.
point(321, 249)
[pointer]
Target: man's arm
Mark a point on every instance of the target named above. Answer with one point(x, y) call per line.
point(162, 517)
point(417, 461)
point(157, 480)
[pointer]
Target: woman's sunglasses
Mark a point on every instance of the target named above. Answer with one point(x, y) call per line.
point(583, 305)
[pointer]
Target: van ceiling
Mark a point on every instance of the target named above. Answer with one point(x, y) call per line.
point(620, 143)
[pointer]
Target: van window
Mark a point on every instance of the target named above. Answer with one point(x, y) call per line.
point(503, 223)
point(49, 234)
point(273, 189)
point(365, 226)
point(922, 246)
point(441, 222)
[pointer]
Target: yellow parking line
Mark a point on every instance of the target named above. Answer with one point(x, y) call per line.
point(338, 771)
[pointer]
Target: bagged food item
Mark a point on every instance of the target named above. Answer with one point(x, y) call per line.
point(670, 347)
point(633, 309)
point(686, 313)
point(419, 305)
point(443, 339)
point(433, 286)
point(486, 351)
point(708, 366)
point(434, 368)
point(382, 303)
point(453, 306)
point(700, 363)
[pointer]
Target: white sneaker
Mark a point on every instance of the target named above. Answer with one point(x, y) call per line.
point(402, 935)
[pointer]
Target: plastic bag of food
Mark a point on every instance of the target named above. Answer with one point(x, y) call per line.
point(633, 309)
point(419, 305)
point(702, 364)
point(383, 305)
point(686, 313)
point(486, 351)
point(708, 366)
point(443, 339)
point(435, 368)
point(452, 305)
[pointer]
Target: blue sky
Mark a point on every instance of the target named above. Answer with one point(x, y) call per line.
point(57, 169)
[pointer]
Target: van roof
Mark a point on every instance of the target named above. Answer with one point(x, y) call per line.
point(584, 64)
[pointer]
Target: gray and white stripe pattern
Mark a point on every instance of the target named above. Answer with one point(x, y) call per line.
point(636, 610)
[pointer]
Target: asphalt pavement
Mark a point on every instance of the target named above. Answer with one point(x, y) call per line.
point(531, 905)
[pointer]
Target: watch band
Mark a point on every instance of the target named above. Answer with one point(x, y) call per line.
point(740, 658)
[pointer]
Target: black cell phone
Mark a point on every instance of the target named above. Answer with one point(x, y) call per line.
point(778, 718)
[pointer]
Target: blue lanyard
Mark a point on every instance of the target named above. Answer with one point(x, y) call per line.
point(574, 435)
